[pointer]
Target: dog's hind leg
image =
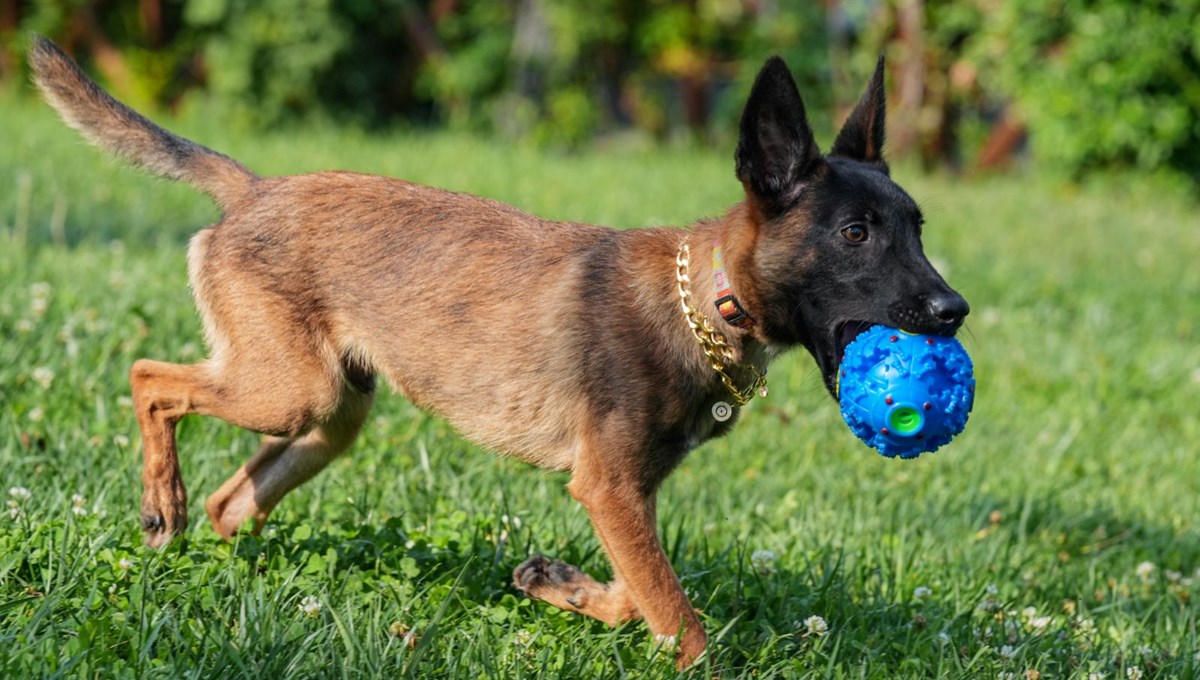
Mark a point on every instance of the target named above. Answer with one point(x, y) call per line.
point(281, 464)
point(285, 397)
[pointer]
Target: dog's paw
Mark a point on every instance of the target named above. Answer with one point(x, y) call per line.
point(156, 531)
point(538, 574)
point(163, 518)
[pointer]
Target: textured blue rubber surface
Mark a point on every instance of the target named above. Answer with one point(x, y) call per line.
point(905, 394)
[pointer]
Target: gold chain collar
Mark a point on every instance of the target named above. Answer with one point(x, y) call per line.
point(718, 350)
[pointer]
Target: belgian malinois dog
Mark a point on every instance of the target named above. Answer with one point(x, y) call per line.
point(609, 354)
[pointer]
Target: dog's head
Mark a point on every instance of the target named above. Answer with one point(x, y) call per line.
point(832, 243)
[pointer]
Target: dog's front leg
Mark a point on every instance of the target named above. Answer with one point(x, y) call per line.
point(623, 514)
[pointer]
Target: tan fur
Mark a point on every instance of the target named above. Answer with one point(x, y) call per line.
point(561, 344)
point(111, 125)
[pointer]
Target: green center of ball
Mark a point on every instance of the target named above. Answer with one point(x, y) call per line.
point(905, 420)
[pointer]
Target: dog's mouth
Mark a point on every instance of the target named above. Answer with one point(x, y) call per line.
point(840, 337)
point(846, 333)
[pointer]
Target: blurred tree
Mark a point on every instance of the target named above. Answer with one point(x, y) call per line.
point(135, 45)
point(1092, 83)
point(1100, 83)
point(560, 71)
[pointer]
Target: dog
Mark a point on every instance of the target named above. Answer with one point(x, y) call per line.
point(607, 354)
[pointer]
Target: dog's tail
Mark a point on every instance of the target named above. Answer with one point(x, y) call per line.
point(111, 125)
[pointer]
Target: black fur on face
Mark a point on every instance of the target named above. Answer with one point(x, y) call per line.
point(840, 246)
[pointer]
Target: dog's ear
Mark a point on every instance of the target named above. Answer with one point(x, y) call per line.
point(862, 136)
point(776, 151)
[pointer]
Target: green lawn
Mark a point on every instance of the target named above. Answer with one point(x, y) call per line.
point(1057, 534)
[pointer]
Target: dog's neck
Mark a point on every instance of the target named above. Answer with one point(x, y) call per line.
point(746, 340)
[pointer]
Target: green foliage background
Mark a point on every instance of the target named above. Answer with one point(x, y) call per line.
point(1102, 82)
point(1097, 83)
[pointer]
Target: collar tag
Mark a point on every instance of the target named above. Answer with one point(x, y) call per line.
point(727, 304)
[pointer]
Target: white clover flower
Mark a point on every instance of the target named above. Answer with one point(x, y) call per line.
point(38, 306)
point(815, 625)
point(1133, 673)
point(121, 440)
point(988, 604)
point(1007, 651)
point(14, 512)
point(921, 592)
point(1085, 627)
point(991, 589)
point(43, 376)
point(523, 638)
point(666, 643)
point(78, 500)
point(79, 511)
point(1173, 576)
point(1094, 675)
point(40, 289)
point(944, 637)
point(125, 564)
point(310, 605)
point(1145, 571)
point(36, 413)
point(20, 493)
point(763, 561)
point(1039, 624)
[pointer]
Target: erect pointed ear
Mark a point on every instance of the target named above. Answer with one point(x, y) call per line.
point(776, 152)
point(862, 136)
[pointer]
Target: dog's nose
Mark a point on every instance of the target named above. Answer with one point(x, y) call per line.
point(949, 309)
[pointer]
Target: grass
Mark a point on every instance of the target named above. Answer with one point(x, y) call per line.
point(1057, 534)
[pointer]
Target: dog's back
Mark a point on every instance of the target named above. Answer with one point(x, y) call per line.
point(426, 287)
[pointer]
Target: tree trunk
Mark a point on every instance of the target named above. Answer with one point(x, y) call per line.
point(152, 21)
point(8, 28)
point(904, 130)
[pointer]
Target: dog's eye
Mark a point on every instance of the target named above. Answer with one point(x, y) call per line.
point(855, 233)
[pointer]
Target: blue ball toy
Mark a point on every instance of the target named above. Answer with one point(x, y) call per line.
point(905, 394)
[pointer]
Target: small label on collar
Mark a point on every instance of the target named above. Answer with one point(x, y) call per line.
point(727, 304)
